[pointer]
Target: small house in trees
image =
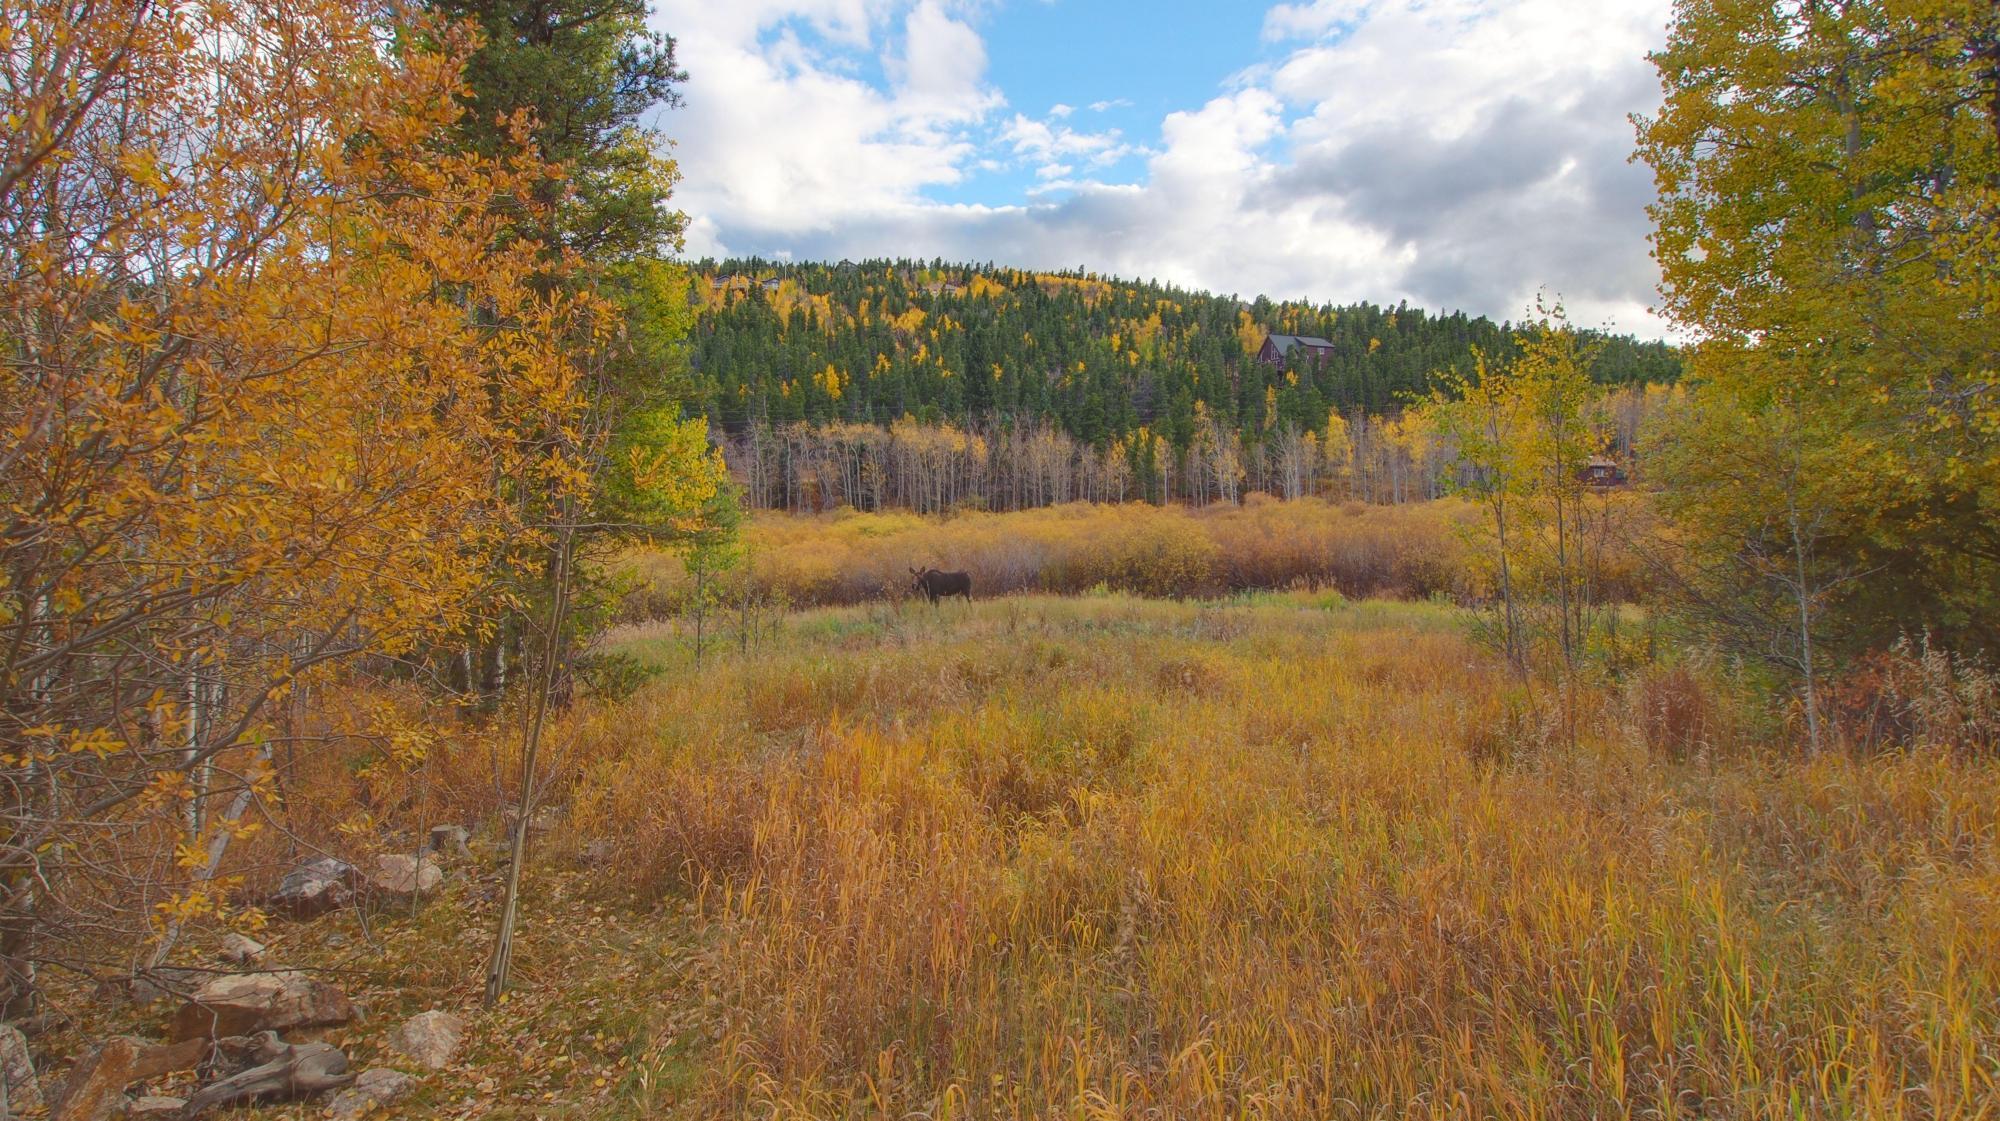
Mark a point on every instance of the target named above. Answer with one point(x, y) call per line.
point(1601, 471)
point(1277, 347)
point(771, 285)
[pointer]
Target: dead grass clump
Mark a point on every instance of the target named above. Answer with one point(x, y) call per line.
point(1682, 711)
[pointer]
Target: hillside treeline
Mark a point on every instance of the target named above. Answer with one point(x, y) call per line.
point(932, 468)
point(1157, 376)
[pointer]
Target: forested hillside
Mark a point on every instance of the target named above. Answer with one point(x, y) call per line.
point(1129, 387)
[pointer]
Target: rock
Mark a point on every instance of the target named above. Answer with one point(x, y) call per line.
point(429, 1039)
point(401, 876)
point(95, 1089)
point(242, 1003)
point(17, 1074)
point(450, 840)
point(239, 950)
point(149, 986)
point(155, 1107)
point(376, 1089)
point(315, 888)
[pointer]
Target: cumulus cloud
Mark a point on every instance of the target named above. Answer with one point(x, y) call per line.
point(1048, 143)
point(1286, 21)
point(1454, 153)
point(781, 136)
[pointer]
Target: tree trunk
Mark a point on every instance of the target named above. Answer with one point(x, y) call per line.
point(503, 943)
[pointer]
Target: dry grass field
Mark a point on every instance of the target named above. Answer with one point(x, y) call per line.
point(1276, 857)
point(1270, 856)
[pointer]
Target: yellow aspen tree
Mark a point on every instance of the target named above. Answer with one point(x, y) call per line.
point(254, 312)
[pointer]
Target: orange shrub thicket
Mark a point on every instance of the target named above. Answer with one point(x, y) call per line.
point(845, 557)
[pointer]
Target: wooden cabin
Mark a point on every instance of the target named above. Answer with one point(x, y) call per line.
point(1277, 347)
point(1602, 471)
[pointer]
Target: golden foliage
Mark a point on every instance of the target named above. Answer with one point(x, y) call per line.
point(276, 375)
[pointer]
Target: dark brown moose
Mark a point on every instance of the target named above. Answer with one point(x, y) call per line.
point(936, 585)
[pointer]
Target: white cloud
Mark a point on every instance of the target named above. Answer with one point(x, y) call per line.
point(1049, 144)
point(781, 137)
point(1455, 153)
point(940, 68)
point(1290, 21)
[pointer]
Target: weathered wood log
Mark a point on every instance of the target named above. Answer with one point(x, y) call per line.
point(234, 1054)
point(290, 1071)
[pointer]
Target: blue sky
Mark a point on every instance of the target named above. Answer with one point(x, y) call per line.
point(1454, 153)
point(1116, 66)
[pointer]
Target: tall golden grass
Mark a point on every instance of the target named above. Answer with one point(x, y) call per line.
point(1410, 551)
point(1290, 857)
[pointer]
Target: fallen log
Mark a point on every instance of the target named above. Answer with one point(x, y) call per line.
point(285, 1072)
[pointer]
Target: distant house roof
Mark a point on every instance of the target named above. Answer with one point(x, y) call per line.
point(1285, 343)
point(1275, 348)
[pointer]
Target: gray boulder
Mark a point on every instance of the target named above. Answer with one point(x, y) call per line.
point(376, 1090)
point(429, 1039)
point(240, 950)
point(244, 1003)
point(400, 876)
point(17, 1074)
point(315, 888)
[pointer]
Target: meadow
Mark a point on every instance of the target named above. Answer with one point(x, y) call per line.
point(848, 557)
point(1266, 856)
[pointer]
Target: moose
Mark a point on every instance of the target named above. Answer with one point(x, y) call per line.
point(937, 585)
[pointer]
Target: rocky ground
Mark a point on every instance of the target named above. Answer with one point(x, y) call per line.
point(361, 997)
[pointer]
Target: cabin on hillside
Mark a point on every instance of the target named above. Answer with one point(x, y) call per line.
point(1276, 347)
point(771, 285)
point(1602, 472)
